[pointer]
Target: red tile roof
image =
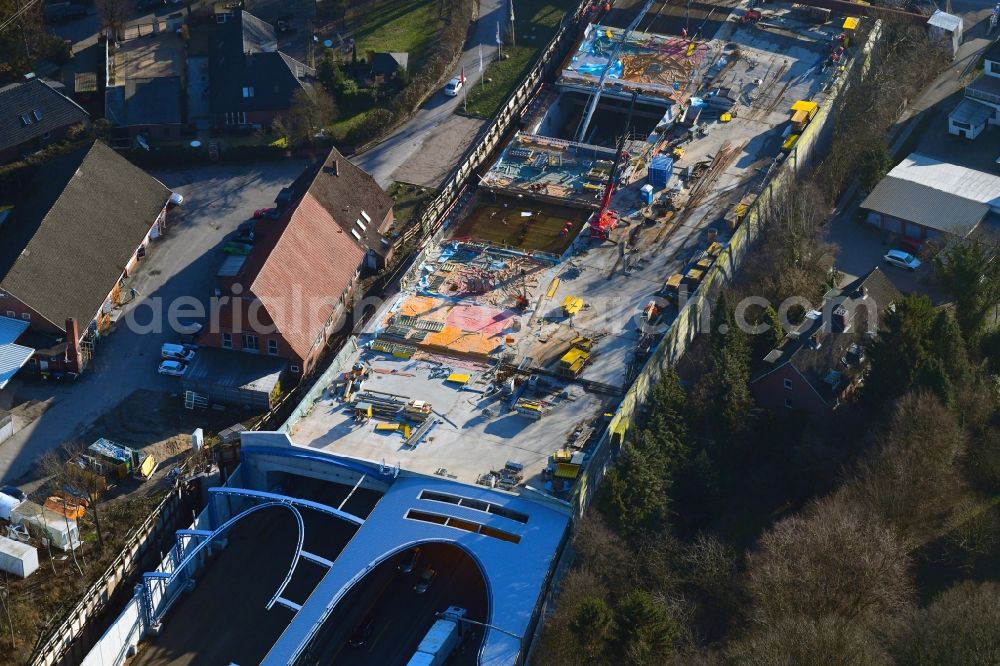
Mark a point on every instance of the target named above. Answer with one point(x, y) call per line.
point(300, 271)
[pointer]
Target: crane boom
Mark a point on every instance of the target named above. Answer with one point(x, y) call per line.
point(603, 222)
point(595, 96)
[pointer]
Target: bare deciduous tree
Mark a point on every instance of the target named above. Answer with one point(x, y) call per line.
point(961, 626)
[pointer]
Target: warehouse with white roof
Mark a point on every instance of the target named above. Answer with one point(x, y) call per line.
point(923, 197)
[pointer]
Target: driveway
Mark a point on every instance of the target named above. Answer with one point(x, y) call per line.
point(183, 263)
point(436, 123)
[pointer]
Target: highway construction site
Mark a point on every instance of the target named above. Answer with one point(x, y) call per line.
point(523, 325)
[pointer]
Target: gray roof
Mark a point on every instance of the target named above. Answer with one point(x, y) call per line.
point(945, 21)
point(243, 55)
point(226, 368)
point(972, 112)
point(388, 63)
point(993, 52)
point(73, 231)
point(926, 206)
point(39, 104)
point(12, 356)
point(153, 101)
point(986, 84)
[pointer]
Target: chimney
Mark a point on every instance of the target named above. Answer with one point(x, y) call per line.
point(73, 346)
point(842, 318)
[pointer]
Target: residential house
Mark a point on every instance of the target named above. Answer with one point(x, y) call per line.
point(923, 197)
point(34, 114)
point(824, 360)
point(252, 81)
point(67, 242)
point(146, 87)
point(353, 199)
point(981, 105)
point(294, 289)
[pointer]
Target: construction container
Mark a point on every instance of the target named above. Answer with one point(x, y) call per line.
point(802, 112)
point(7, 506)
point(116, 456)
point(646, 191)
point(71, 508)
point(60, 530)
point(660, 170)
point(17, 558)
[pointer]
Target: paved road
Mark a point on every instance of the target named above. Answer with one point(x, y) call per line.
point(183, 263)
point(436, 119)
point(401, 616)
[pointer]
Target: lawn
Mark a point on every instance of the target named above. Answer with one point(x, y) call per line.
point(408, 26)
point(534, 30)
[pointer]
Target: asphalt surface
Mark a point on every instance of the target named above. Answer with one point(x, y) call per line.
point(401, 616)
point(224, 619)
point(436, 117)
point(183, 263)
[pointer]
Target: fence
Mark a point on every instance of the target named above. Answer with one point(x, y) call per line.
point(65, 645)
point(693, 317)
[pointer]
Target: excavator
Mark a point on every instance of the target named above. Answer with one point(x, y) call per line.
point(605, 219)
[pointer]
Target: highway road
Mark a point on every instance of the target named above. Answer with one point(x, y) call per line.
point(436, 121)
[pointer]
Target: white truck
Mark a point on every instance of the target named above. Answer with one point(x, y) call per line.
point(441, 640)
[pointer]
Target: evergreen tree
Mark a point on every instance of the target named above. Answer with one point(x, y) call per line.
point(644, 632)
point(972, 275)
point(590, 625)
point(636, 487)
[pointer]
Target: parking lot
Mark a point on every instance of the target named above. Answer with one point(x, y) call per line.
point(182, 263)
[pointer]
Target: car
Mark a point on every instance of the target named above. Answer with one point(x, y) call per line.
point(453, 86)
point(902, 260)
point(362, 633)
point(176, 199)
point(172, 368)
point(267, 214)
point(173, 352)
point(13, 491)
point(147, 5)
point(246, 237)
point(410, 562)
point(247, 226)
point(911, 245)
point(426, 578)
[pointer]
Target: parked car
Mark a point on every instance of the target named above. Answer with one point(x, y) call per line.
point(14, 491)
point(426, 578)
point(172, 368)
point(362, 633)
point(911, 245)
point(176, 199)
point(246, 237)
point(410, 562)
point(147, 5)
point(267, 214)
point(170, 351)
point(902, 259)
point(453, 86)
point(63, 12)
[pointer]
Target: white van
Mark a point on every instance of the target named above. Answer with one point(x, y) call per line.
point(174, 352)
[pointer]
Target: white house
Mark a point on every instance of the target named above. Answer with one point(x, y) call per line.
point(981, 105)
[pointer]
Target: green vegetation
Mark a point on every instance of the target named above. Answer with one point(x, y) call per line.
point(535, 26)
point(408, 26)
point(409, 201)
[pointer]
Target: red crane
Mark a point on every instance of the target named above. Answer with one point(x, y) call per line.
point(606, 219)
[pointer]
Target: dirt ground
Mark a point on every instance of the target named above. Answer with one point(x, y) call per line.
point(547, 229)
point(158, 424)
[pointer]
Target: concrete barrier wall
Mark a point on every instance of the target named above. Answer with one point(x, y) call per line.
point(694, 317)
